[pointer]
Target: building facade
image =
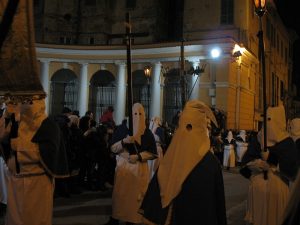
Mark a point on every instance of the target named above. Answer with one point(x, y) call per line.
point(82, 56)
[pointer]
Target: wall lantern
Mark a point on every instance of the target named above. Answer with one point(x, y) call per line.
point(260, 7)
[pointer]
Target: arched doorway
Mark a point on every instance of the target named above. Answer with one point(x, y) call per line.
point(63, 91)
point(140, 90)
point(172, 95)
point(102, 92)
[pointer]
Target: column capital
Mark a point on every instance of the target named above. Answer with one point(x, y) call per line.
point(120, 63)
point(45, 61)
point(157, 63)
point(82, 64)
point(152, 63)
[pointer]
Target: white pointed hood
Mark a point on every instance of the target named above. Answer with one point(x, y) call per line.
point(229, 136)
point(139, 121)
point(242, 134)
point(188, 146)
point(32, 116)
point(276, 126)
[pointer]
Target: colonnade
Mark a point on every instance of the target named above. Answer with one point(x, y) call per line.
point(156, 85)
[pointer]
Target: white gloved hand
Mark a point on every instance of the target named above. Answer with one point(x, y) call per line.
point(133, 158)
point(128, 140)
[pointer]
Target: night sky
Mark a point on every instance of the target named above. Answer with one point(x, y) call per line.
point(290, 15)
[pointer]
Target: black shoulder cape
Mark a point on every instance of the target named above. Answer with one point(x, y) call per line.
point(52, 148)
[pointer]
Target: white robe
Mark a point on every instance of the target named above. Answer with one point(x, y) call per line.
point(267, 199)
point(30, 192)
point(30, 200)
point(3, 181)
point(229, 156)
point(241, 148)
point(126, 201)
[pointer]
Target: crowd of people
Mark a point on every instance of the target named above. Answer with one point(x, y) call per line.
point(91, 163)
point(155, 173)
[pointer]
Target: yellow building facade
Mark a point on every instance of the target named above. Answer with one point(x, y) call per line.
point(231, 82)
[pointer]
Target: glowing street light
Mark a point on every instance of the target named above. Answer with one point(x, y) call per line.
point(215, 53)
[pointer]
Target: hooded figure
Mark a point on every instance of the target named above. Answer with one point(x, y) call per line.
point(241, 145)
point(295, 134)
point(132, 172)
point(158, 132)
point(30, 189)
point(269, 175)
point(229, 155)
point(188, 175)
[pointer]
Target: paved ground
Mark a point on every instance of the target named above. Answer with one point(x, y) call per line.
point(94, 208)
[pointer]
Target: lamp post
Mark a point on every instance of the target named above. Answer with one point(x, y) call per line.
point(147, 72)
point(260, 9)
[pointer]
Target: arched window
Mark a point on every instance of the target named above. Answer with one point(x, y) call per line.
point(172, 95)
point(102, 92)
point(63, 91)
point(140, 90)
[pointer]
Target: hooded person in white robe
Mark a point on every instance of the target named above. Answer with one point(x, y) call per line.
point(229, 155)
point(269, 175)
point(158, 132)
point(30, 180)
point(187, 188)
point(241, 145)
point(132, 172)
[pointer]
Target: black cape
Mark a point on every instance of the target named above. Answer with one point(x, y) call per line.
point(286, 154)
point(201, 199)
point(147, 140)
point(52, 148)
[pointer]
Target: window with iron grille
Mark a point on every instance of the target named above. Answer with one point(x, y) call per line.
point(130, 4)
point(140, 91)
point(227, 12)
point(63, 91)
point(172, 95)
point(275, 88)
point(102, 92)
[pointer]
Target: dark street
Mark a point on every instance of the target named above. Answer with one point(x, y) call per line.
point(93, 208)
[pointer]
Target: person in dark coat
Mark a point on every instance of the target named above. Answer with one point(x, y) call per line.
point(295, 134)
point(187, 188)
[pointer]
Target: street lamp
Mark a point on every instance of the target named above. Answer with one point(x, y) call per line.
point(147, 72)
point(260, 9)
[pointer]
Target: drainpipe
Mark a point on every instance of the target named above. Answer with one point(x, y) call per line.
point(238, 95)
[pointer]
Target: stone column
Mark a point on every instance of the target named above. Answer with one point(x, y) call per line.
point(44, 77)
point(212, 89)
point(194, 84)
point(83, 90)
point(155, 104)
point(120, 103)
